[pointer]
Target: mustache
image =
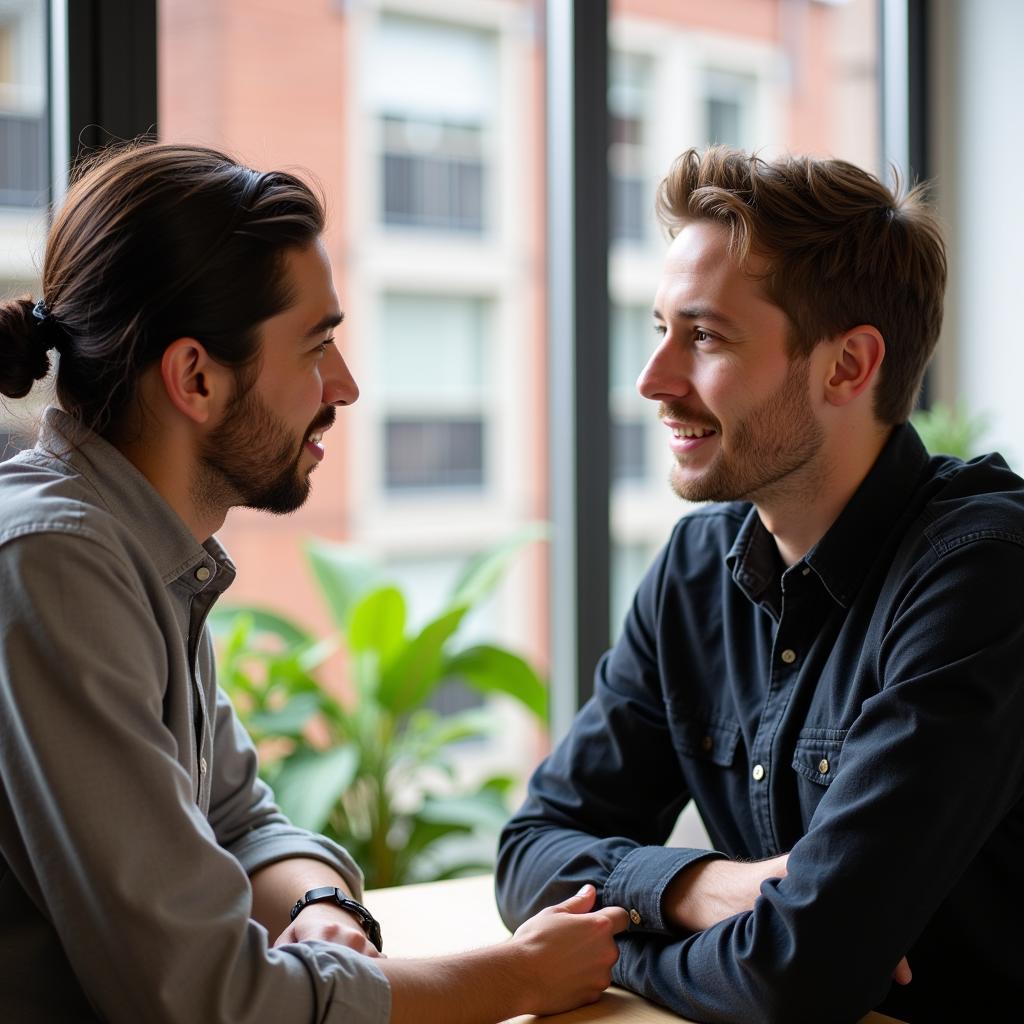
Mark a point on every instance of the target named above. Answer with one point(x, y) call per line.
point(670, 411)
point(323, 420)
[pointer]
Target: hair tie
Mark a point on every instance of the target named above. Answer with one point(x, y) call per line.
point(50, 332)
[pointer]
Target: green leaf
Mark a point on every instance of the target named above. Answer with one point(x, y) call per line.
point(454, 856)
point(484, 809)
point(484, 572)
point(222, 621)
point(414, 675)
point(490, 669)
point(310, 782)
point(424, 833)
point(343, 573)
point(289, 720)
point(377, 623)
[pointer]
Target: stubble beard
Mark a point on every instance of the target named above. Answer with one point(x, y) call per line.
point(772, 450)
point(251, 461)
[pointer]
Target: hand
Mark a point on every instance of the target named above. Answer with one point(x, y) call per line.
point(712, 890)
point(329, 923)
point(902, 975)
point(568, 952)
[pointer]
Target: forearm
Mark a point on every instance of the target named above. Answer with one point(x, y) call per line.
point(276, 887)
point(710, 891)
point(479, 987)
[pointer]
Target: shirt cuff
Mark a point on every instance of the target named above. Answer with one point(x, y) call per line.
point(640, 879)
point(359, 992)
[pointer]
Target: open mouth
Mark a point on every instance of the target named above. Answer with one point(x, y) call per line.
point(315, 444)
point(685, 439)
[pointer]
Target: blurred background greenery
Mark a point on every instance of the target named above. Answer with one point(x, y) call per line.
point(347, 737)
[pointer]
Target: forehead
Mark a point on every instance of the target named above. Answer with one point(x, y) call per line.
point(308, 270)
point(699, 271)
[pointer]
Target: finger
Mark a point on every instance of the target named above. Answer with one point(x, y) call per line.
point(581, 902)
point(902, 975)
point(618, 917)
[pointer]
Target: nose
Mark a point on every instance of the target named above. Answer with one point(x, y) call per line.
point(666, 377)
point(340, 387)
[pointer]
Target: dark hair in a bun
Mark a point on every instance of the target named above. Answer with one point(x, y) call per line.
point(155, 242)
point(23, 345)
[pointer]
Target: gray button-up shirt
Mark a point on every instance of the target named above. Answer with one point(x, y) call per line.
point(130, 811)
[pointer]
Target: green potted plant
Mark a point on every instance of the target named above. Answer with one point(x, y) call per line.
point(949, 430)
point(376, 771)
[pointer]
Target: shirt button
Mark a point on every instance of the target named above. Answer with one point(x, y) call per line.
point(202, 766)
point(758, 772)
point(634, 916)
point(805, 571)
point(788, 656)
point(202, 574)
point(706, 743)
point(823, 766)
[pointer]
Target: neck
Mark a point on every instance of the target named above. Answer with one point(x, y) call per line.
point(800, 514)
point(168, 463)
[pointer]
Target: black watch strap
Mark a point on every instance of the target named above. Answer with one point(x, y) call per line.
point(329, 893)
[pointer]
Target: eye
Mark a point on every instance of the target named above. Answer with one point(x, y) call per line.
point(321, 350)
point(702, 337)
point(660, 330)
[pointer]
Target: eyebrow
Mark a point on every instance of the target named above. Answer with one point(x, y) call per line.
point(325, 324)
point(699, 313)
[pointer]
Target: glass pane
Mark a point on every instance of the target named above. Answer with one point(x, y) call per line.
point(24, 180)
point(425, 129)
point(773, 76)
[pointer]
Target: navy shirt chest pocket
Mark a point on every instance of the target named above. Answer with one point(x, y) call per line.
point(816, 759)
point(704, 737)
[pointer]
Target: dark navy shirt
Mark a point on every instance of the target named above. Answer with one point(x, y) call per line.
point(863, 709)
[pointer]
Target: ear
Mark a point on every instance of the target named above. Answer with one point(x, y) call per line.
point(196, 385)
point(855, 358)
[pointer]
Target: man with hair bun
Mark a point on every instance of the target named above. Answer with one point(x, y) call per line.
point(827, 659)
point(145, 873)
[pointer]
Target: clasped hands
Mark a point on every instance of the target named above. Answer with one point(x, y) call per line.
point(712, 890)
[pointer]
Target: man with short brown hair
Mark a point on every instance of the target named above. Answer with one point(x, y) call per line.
point(828, 661)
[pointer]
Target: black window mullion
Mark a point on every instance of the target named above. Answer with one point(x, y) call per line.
point(112, 72)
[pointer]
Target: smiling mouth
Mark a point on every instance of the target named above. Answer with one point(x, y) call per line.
point(691, 432)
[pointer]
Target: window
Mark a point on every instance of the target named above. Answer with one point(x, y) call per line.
point(431, 373)
point(728, 108)
point(433, 121)
point(24, 175)
point(632, 341)
point(628, 90)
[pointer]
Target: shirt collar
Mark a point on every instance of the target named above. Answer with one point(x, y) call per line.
point(129, 496)
point(842, 557)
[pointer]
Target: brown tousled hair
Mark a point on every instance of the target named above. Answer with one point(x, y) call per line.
point(156, 242)
point(841, 250)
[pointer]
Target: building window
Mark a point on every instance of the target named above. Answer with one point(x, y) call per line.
point(433, 123)
point(632, 341)
point(433, 175)
point(729, 108)
point(628, 95)
point(24, 174)
point(433, 452)
point(432, 370)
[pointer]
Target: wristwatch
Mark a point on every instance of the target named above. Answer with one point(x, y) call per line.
point(329, 893)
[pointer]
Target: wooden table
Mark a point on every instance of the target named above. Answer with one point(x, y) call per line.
point(451, 917)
